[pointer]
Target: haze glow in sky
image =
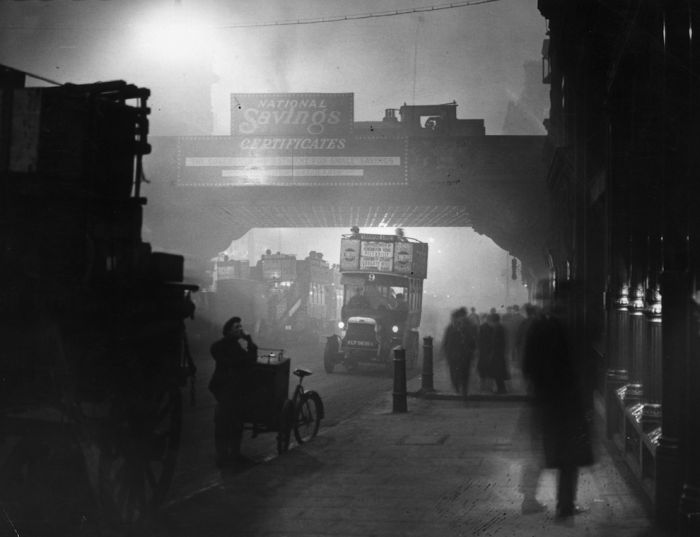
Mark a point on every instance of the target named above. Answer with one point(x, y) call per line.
point(473, 55)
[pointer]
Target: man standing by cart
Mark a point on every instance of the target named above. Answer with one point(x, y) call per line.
point(233, 353)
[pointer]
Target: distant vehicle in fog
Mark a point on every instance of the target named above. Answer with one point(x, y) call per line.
point(287, 299)
point(302, 296)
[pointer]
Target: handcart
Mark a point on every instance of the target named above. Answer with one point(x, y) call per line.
point(267, 407)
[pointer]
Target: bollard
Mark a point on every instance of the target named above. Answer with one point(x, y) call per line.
point(400, 380)
point(427, 377)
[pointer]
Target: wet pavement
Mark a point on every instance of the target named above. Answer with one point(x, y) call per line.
point(443, 468)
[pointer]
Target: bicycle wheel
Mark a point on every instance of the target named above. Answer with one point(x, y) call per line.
point(308, 418)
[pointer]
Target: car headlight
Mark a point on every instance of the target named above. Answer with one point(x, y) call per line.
point(341, 324)
point(395, 329)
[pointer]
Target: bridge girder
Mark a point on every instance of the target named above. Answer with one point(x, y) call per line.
point(504, 197)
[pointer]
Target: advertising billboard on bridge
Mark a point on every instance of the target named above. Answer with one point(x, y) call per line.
point(292, 139)
point(263, 161)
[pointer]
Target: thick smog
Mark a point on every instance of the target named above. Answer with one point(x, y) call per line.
point(384, 267)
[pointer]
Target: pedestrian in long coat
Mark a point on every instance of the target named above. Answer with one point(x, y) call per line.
point(521, 334)
point(453, 348)
point(485, 350)
point(561, 417)
point(498, 366)
point(466, 356)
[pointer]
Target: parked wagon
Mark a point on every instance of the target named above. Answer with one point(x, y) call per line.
point(92, 324)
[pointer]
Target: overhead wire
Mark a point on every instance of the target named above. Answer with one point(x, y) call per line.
point(359, 16)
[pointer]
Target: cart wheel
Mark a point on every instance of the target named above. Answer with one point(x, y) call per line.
point(308, 418)
point(138, 450)
point(284, 434)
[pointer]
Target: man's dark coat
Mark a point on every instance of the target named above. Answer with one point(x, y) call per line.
point(557, 392)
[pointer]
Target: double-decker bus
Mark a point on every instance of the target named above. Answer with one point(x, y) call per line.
point(382, 280)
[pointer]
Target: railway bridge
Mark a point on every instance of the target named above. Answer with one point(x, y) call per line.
point(418, 166)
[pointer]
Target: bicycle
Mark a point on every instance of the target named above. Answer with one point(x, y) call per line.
point(307, 409)
point(268, 407)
